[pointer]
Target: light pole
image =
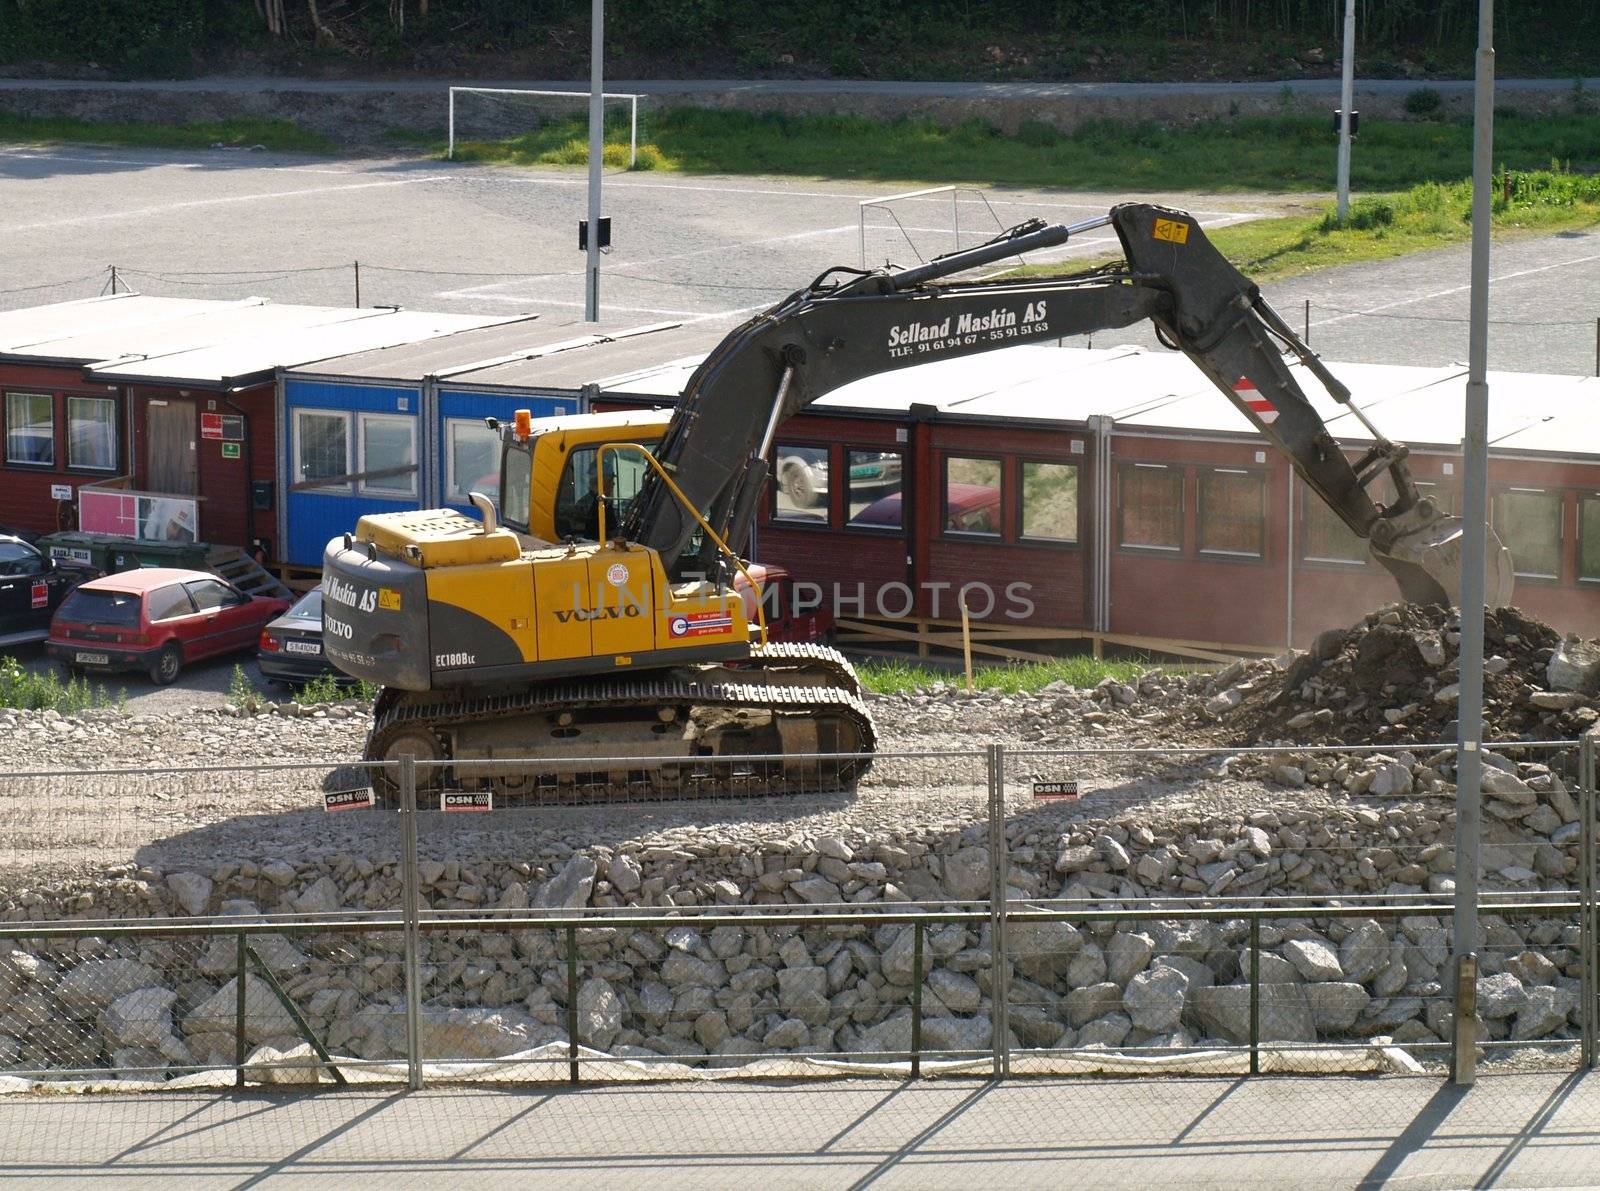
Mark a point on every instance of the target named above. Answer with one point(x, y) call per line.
point(1346, 98)
point(1474, 511)
point(597, 33)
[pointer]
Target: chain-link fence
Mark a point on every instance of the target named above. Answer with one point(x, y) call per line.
point(1012, 911)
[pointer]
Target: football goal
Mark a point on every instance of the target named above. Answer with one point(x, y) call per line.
point(501, 112)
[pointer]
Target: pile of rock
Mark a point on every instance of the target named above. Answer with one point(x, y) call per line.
point(1393, 676)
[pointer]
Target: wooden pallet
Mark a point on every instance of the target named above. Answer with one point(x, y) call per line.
point(245, 573)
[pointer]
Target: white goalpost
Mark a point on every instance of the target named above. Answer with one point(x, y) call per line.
point(607, 97)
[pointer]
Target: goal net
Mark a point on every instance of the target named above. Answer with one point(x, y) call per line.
point(914, 227)
point(548, 126)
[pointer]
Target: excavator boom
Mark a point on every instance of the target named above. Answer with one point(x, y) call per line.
point(850, 324)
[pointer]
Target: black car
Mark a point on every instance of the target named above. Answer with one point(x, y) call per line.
point(291, 646)
point(32, 587)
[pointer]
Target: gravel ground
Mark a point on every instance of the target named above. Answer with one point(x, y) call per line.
point(931, 770)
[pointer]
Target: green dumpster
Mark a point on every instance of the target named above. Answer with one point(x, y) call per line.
point(111, 554)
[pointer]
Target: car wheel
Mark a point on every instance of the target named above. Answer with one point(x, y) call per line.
point(167, 664)
point(799, 487)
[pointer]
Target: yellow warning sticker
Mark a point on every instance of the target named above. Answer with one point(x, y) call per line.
point(389, 598)
point(1172, 231)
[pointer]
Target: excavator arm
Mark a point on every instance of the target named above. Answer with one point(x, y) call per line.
point(851, 324)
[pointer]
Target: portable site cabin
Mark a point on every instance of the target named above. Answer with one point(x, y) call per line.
point(346, 422)
point(1138, 506)
point(155, 417)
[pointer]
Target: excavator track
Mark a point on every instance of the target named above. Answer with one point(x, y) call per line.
point(790, 720)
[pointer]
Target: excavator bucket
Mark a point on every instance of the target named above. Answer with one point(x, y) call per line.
point(1426, 562)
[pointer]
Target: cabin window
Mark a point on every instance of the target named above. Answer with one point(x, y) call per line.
point(1049, 502)
point(518, 488)
point(972, 496)
point(92, 433)
point(322, 448)
point(471, 460)
point(1528, 521)
point(388, 455)
point(577, 497)
point(800, 483)
point(1589, 537)
point(1323, 536)
point(1150, 506)
point(876, 489)
point(31, 429)
point(1232, 512)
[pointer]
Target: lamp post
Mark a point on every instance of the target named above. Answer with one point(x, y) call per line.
point(1474, 510)
point(597, 32)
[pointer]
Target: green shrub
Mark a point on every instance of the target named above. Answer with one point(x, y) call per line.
point(242, 693)
point(325, 688)
point(1424, 101)
point(28, 691)
point(1366, 215)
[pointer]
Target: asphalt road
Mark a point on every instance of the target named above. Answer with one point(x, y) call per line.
point(432, 235)
point(248, 84)
point(1413, 1132)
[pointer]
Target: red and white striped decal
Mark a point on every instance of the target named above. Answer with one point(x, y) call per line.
point(1258, 404)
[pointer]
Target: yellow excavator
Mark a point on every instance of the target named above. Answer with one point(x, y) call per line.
point(601, 611)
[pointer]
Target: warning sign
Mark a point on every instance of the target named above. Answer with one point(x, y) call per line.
point(466, 801)
point(41, 594)
point(1171, 230)
point(210, 425)
point(347, 800)
point(1066, 791)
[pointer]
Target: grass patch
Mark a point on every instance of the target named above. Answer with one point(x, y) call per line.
point(27, 691)
point(238, 132)
point(1266, 153)
point(893, 677)
point(1429, 215)
point(325, 688)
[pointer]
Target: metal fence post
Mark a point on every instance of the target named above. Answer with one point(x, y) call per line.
point(572, 1003)
point(1464, 1052)
point(238, 1013)
point(916, 999)
point(1255, 994)
point(1587, 1019)
point(999, 986)
point(411, 900)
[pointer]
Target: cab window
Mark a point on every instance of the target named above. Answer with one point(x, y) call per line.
point(514, 491)
point(576, 500)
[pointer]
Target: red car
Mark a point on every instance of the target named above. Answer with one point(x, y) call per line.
point(791, 615)
point(156, 620)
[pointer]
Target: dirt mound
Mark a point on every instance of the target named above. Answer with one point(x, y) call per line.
point(1394, 677)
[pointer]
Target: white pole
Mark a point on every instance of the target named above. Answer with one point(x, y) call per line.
point(597, 32)
point(450, 153)
point(633, 132)
point(1346, 87)
point(1474, 513)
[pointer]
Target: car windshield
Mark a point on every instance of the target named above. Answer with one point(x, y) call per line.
point(308, 606)
point(101, 607)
